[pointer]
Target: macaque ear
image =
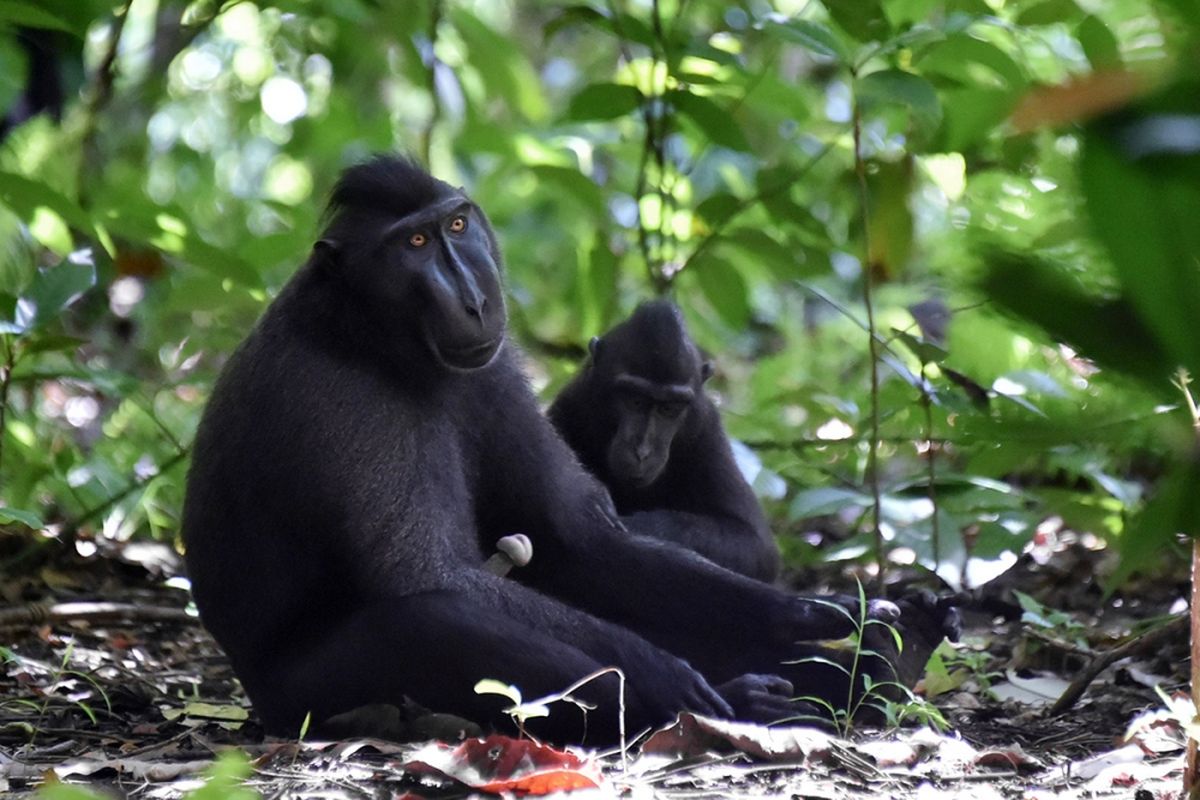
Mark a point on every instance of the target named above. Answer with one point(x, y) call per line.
point(326, 252)
point(706, 370)
point(594, 348)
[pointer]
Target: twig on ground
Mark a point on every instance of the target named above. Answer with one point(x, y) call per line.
point(1147, 641)
point(40, 613)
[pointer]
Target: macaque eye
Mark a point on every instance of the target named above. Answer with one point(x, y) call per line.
point(458, 224)
point(639, 403)
point(418, 240)
point(672, 410)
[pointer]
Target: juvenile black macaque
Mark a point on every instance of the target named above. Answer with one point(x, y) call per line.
point(373, 438)
point(639, 420)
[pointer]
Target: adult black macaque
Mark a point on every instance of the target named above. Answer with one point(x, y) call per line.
point(366, 446)
point(639, 420)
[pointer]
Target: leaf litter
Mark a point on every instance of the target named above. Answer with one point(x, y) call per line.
point(138, 701)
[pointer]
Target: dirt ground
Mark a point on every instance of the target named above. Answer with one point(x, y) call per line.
point(122, 692)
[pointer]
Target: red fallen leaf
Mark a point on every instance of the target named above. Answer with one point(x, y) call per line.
point(502, 764)
point(1125, 781)
point(692, 735)
point(121, 641)
point(1007, 758)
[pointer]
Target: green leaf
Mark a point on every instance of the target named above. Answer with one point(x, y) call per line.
point(597, 288)
point(51, 343)
point(897, 87)
point(1041, 293)
point(25, 196)
point(572, 16)
point(503, 68)
point(26, 518)
point(634, 29)
point(1187, 12)
point(1141, 181)
point(926, 351)
point(221, 711)
point(968, 8)
point(774, 185)
point(724, 287)
point(828, 662)
point(992, 541)
point(890, 185)
point(1174, 508)
point(530, 711)
point(604, 101)
point(784, 264)
point(1035, 612)
point(799, 220)
point(200, 253)
point(1050, 12)
point(1099, 44)
point(938, 678)
point(776, 97)
point(825, 500)
point(862, 19)
point(106, 381)
point(225, 779)
point(168, 229)
point(14, 70)
point(272, 250)
point(701, 50)
point(493, 686)
point(57, 790)
point(972, 62)
point(713, 121)
point(717, 209)
point(812, 36)
point(903, 13)
point(625, 26)
point(53, 290)
point(971, 115)
point(573, 184)
point(26, 15)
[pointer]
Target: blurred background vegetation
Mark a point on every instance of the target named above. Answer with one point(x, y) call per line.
point(943, 251)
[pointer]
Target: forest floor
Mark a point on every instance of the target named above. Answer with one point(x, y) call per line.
point(126, 695)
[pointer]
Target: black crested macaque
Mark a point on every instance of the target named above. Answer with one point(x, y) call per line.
point(639, 420)
point(373, 438)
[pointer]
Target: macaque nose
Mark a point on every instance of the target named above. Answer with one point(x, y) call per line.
point(475, 305)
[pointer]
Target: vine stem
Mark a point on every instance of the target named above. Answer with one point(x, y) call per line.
point(931, 470)
point(435, 112)
point(1191, 774)
point(666, 194)
point(747, 203)
point(100, 89)
point(654, 273)
point(6, 369)
point(868, 268)
point(95, 511)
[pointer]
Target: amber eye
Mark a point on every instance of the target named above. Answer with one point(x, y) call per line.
point(672, 410)
point(458, 224)
point(418, 240)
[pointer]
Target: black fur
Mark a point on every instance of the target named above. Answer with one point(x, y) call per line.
point(699, 499)
point(366, 447)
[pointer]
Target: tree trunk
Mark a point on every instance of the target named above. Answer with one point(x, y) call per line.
point(1191, 775)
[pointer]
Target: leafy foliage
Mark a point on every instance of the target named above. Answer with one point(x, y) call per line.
point(763, 164)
